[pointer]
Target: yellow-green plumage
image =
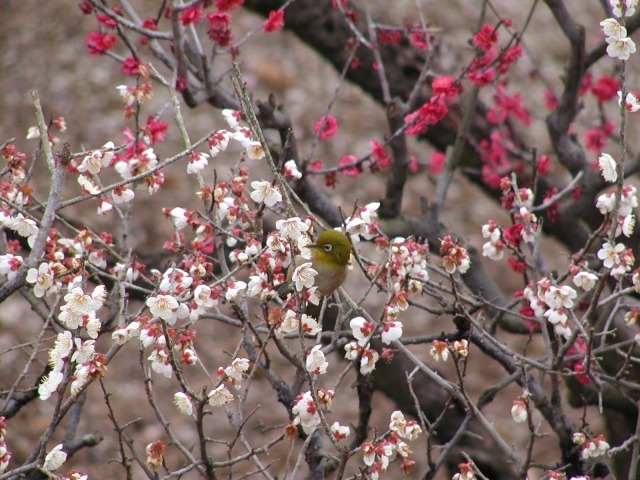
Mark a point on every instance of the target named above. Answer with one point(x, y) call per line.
point(330, 258)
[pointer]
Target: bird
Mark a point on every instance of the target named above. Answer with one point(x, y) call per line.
point(330, 255)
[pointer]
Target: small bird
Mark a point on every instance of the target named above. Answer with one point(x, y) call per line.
point(329, 257)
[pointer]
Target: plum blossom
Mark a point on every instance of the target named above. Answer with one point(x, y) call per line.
point(234, 289)
point(585, 280)
point(620, 48)
point(160, 362)
point(183, 403)
point(612, 28)
point(50, 384)
point(594, 447)
point(234, 372)
point(519, 411)
point(557, 297)
point(439, 351)
point(631, 102)
point(97, 160)
point(266, 192)
point(362, 330)
point(61, 349)
point(254, 150)
point(54, 459)
point(391, 331)
point(197, 162)
point(42, 280)
point(316, 363)
point(220, 396)
point(25, 227)
point(304, 276)
point(340, 432)
point(291, 170)
point(407, 429)
point(629, 7)
point(608, 167)
point(610, 254)
point(291, 228)
point(167, 308)
point(305, 413)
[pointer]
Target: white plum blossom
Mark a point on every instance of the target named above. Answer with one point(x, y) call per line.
point(289, 324)
point(122, 195)
point(42, 280)
point(167, 308)
point(361, 330)
point(608, 167)
point(87, 185)
point(9, 265)
point(631, 102)
point(606, 203)
point(234, 289)
point(304, 276)
point(340, 432)
point(595, 447)
point(218, 142)
point(183, 403)
point(266, 192)
point(407, 429)
point(610, 254)
point(612, 28)
point(234, 372)
point(305, 413)
point(175, 280)
point(202, 297)
point(291, 170)
point(368, 361)
point(84, 351)
point(61, 349)
point(620, 48)
point(309, 325)
point(253, 150)
point(160, 363)
point(627, 226)
point(519, 411)
point(557, 297)
point(439, 351)
point(25, 227)
point(585, 280)
point(291, 228)
point(232, 117)
point(628, 5)
point(391, 331)
point(104, 206)
point(316, 363)
point(54, 459)
point(220, 396)
point(33, 132)
point(180, 217)
point(197, 163)
point(97, 160)
point(50, 384)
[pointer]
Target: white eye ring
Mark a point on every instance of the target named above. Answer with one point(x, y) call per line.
point(327, 248)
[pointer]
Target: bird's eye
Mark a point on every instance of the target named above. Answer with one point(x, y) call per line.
point(327, 248)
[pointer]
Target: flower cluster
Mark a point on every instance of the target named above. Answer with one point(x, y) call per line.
point(378, 454)
point(79, 312)
point(591, 447)
point(619, 45)
point(305, 411)
point(454, 257)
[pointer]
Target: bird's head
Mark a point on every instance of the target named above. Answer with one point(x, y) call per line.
point(331, 247)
